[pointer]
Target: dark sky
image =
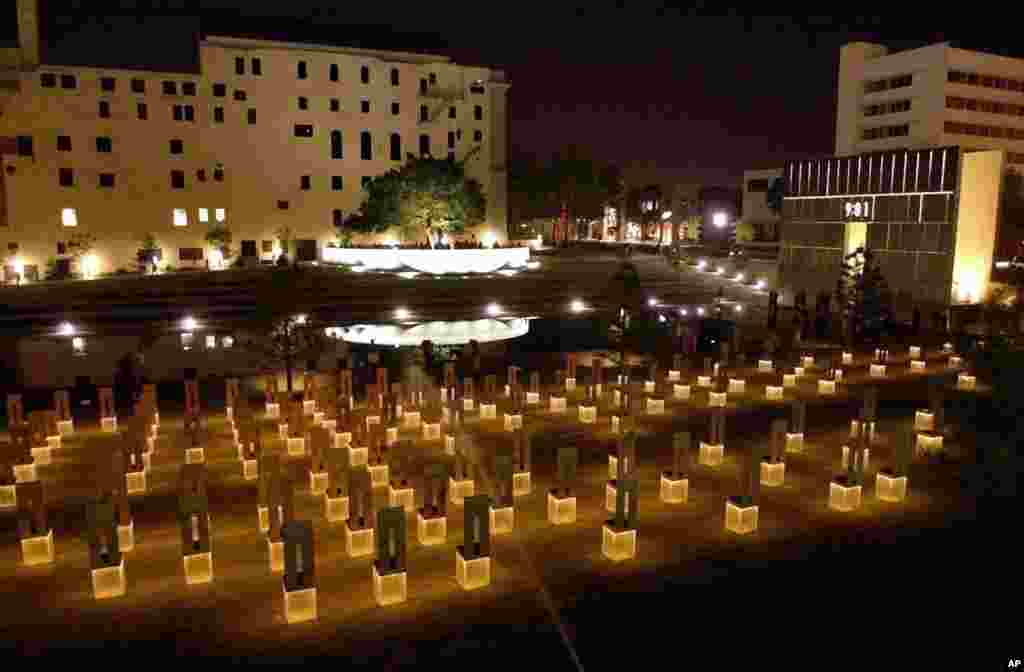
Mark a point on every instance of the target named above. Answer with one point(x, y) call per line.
point(671, 96)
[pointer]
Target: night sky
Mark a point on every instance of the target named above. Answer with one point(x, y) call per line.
point(672, 97)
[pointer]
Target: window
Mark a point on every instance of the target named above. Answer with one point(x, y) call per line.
point(758, 185)
point(190, 113)
point(218, 115)
point(192, 254)
point(267, 246)
point(366, 181)
point(336, 147)
point(220, 214)
point(239, 65)
point(451, 112)
point(177, 179)
point(178, 112)
point(336, 183)
point(201, 175)
point(365, 146)
point(142, 111)
point(63, 143)
point(107, 84)
point(305, 182)
point(188, 88)
point(423, 85)
point(204, 215)
point(177, 146)
point(394, 108)
point(451, 156)
point(104, 145)
point(250, 115)
point(433, 78)
point(248, 248)
point(303, 130)
point(218, 174)
point(476, 87)
point(180, 217)
point(364, 106)
point(424, 145)
point(396, 147)
point(66, 177)
point(282, 205)
point(68, 217)
point(335, 105)
point(364, 75)
point(239, 95)
point(24, 147)
point(305, 250)
point(478, 136)
point(424, 113)
point(337, 218)
point(334, 72)
point(107, 180)
point(302, 70)
point(451, 139)
point(303, 103)
point(257, 67)
point(48, 80)
point(478, 112)
point(394, 76)
point(68, 82)
point(104, 109)
point(220, 90)
point(138, 85)
point(458, 134)
point(170, 89)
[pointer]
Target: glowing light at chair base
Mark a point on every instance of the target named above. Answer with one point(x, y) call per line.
point(300, 605)
point(674, 491)
point(431, 531)
point(358, 543)
point(198, 568)
point(37, 550)
point(556, 404)
point(618, 545)
point(929, 443)
point(472, 574)
point(807, 362)
point(847, 358)
point(703, 381)
point(842, 497)
point(788, 380)
point(336, 509)
point(674, 376)
point(42, 455)
point(135, 482)
point(275, 553)
point(890, 488)
point(403, 497)
point(108, 581)
point(502, 520)
point(917, 365)
point(197, 455)
point(966, 383)
point(915, 352)
point(794, 442)
point(711, 454)
point(108, 425)
point(773, 393)
point(459, 490)
point(66, 427)
point(773, 474)
point(488, 411)
point(681, 392)
point(513, 421)
point(716, 399)
point(588, 414)
point(877, 371)
point(126, 536)
point(737, 386)
point(741, 519)
point(561, 510)
point(924, 421)
point(317, 482)
point(655, 407)
point(522, 484)
point(379, 475)
point(358, 456)
point(390, 589)
point(826, 387)
point(273, 411)
point(8, 496)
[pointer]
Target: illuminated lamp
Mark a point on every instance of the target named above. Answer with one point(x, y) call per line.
point(502, 520)
point(711, 454)
point(618, 545)
point(108, 581)
point(773, 474)
point(889, 488)
point(740, 519)
point(522, 483)
point(843, 497)
point(674, 491)
point(389, 589)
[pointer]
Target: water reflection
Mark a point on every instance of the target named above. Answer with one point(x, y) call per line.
point(439, 333)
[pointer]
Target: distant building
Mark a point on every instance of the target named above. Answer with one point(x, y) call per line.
point(763, 220)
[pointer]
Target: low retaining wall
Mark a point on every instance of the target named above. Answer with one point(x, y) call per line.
point(435, 262)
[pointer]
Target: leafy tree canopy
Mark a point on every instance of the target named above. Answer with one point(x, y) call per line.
point(863, 297)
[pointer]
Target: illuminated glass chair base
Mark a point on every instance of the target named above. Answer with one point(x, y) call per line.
point(198, 568)
point(431, 530)
point(618, 545)
point(390, 588)
point(250, 470)
point(8, 496)
point(318, 482)
point(335, 508)
point(502, 520)
point(674, 490)
point(108, 425)
point(773, 474)
point(403, 496)
point(108, 581)
point(474, 573)
point(741, 517)
point(794, 442)
point(889, 488)
point(561, 510)
point(521, 484)
point(843, 497)
point(126, 536)
point(459, 490)
point(195, 455)
point(275, 553)
point(358, 542)
point(300, 605)
point(711, 454)
point(37, 550)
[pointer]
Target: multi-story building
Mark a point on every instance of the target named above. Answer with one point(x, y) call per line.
point(264, 137)
point(756, 212)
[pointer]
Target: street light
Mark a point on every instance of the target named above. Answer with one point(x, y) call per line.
point(759, 284)
point(666, 215)
point(652, 302)
point(66, 329)
point(577, 306)
point(493, 309)
point(189, 323)
point(402, 313)
point(719, 219)
point(682, 311)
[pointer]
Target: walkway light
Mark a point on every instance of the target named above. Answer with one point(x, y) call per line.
point(652, 301)
point(719, 219)
point(759, 284)
point(402, 313)
point(493, 309)
point(66, 329)
point(577, 306)
point(189, 324)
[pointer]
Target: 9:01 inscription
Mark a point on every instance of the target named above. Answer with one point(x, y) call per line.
point(857, 209)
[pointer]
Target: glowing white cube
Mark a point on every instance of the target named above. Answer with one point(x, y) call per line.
point(890, 488)
point(773, 393)
point(915, 352)
point(740, 519)
point(966, 383)
point(273, 411)
point(588, 414)
point(847, 358)
point(842, 497)
point(570, 384)
point(108, 581)
point(135, 482)
point(716, 399)
point(674, 491)
point(674, 376)
point(929, 444)
point(561, 510)
point(877, 371)
point(618, 545)
point(737, 386)
point(467, 405)
point(336, 509)
point(431, 531)
point(308, 407)
point(703, 381)
point(513, 421)
point(789, 380)
point(411, 420)
point(296, 446)
point(649, 386)
point(197, 455)
point(358, 543)
point(488, 411)
point(681, 392)
point(794, 442)
point(403, 497)
point(826, 387)
point(532, 398)
point(318, 418)
point(126, 536)
point(459, 490)
point(613, 467)
point(924, 421)
point(432, 431)
point(66, 427)
point(358, 456)
point(317, 482)
point(711, 454)
point(379, 475)
point(764, 365)
point(557, 404)
point(502, 520)
point(472, 574)
point(8, 496)
point(390, 588)
point(522, 483)
point(329, 425)
point(773, 474)
point(198, 568)
point(263, 514)
point(917, 365)
point(37, 550)
point(300, 605)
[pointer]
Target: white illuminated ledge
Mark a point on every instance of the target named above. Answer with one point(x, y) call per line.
point(439, 333)
point(435, 262)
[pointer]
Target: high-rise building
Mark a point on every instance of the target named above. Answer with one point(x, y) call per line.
point(266, 138)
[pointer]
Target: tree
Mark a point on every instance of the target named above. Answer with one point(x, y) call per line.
point(284, 241)
point(219, 237)
point(863, 297)
point(426, 195)
point(147, 254)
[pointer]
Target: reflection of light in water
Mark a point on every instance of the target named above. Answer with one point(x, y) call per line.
point(439, 333)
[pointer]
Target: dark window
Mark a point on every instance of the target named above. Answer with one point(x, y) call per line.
point(334, 72)
point(303, 130)
point(220, 90)
point(138, 85)
point(190, 254)
point(104, 145)
point(478, 112)
point(758, 185)
point(451, 112)
point(337, 218)
point(188, 88)
point(335, 105)
point(424, 145)
point(366, 181)
point(142, 110)
point(257, 67)
point(303, 103)
point(170, 89)
point(364, 75)
point(267, 246)
point(364, 106)
point(394, 76)
point(433, 78)
point(424, 113)
point(248, 248)
point(396, 147)
point(239, 95)
point(68, 82)
point(107, 83)
point(423, 85)
point(302, 70)
point(366, 146)
point(458, 134)
point(218, 174)
point(177, 179)
point(48, 80)
point(451, 156)
point(62, 247)
point(63, 143)
point(337, 184)
point(107, 180)
point(282, 205)
point(305, 250)
point(451, 139)
point(476, 87)
point(251, 115)
point(178, 112)
point(239, 65)
point(201, 175)
point(478, 136)
point(190, 113)
point(66, 177)
point(104, 109)
point(177, 147)
point(336, 148)
point(394, 108)
point(306, 182)
point(25, 145)
point(218, 115)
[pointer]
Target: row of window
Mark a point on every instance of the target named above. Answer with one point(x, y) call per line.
point(888, 83)
point(983, 130)
point(989, 81)
point(66, 178)
point(877, 132)
point(887, 108)
point(48, 80)
point(987, 106)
